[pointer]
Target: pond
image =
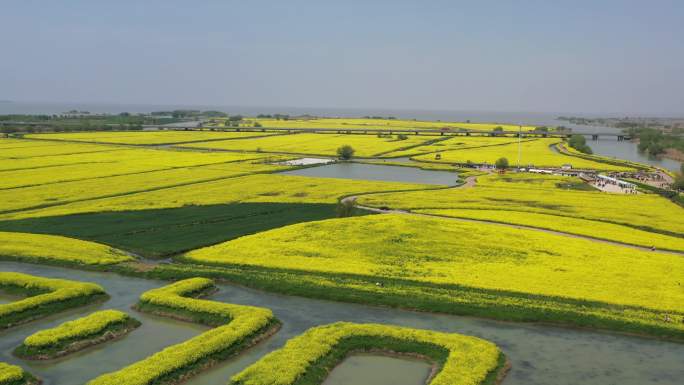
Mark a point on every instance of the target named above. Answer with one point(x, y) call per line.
point(378, 172)
point(539, 354)
point(379, 370)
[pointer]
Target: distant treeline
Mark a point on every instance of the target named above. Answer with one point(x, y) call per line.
point(655, 142)
point(79, 121)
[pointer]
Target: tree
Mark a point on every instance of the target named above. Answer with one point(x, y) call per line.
point(501, 163)
point(345, 152)
point(402, 137)
point(579, 143)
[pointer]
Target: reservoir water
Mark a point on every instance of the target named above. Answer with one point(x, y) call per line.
point(540, 355)
point(378, 172)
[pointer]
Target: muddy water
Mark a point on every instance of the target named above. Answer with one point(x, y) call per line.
point(539, 354)
point(364, 369)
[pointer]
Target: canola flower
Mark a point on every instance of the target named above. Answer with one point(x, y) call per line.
point(28, 153)
point(543, 201)
point(57, 249)
point(318, 144)
point(535, 153)
point(39, 171)
point(446, 252)
point(81, 328)
point(467, 360)
point(248, 188)
point(239, 324)
point(10, 374)
point(454, 143)
point(372, 124)
point(54, 194)
point(147, 137)
point(56, 292)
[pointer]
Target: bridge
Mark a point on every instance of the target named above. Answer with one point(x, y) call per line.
point(363, 131)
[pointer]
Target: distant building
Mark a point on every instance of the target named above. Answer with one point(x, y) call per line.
point(566, 166)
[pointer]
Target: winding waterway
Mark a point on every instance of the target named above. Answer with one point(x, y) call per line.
point(539, 354)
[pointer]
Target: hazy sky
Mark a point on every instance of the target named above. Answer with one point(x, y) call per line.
point(548, 56)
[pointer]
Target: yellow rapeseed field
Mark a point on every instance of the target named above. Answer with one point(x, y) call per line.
point(50, 150)
point(56, 249)
point(147, 137)
point(535, 153)
point(542, 201)
point(453, 143)
point(447, 252)
point(107, 186)
point(250, 188)
point(377, 124)
point(84, 167)
point(318, 144)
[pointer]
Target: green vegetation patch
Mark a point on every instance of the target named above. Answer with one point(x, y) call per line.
point(76, 335)
point(160, 232)
point(48, 296)
point(308, 358)
point(237, 328)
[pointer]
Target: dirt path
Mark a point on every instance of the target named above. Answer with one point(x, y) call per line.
point(472, 181)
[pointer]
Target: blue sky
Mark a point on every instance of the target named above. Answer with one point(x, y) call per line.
point(539, 56)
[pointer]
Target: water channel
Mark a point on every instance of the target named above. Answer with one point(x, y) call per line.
point(539, 354)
